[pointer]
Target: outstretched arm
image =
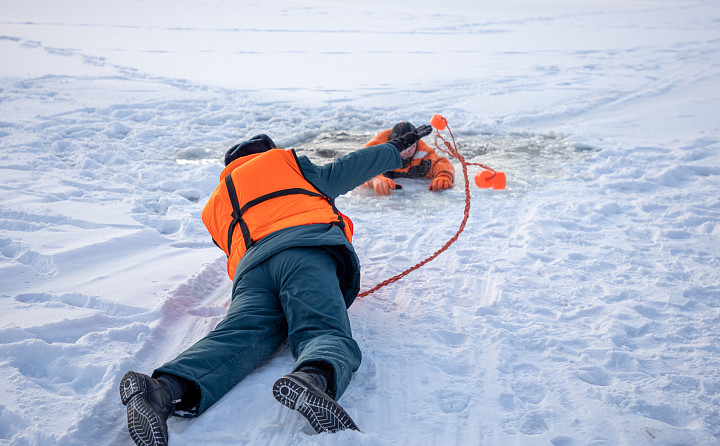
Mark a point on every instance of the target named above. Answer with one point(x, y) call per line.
point(348, 172)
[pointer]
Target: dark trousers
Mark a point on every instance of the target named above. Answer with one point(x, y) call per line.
point(293, 295)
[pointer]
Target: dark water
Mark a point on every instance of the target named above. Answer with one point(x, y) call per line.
point(524, 157)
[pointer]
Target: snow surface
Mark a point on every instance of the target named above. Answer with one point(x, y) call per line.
point(581, 306)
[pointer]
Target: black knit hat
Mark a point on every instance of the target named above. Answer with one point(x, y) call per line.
point(400, 129)
point(257, 144)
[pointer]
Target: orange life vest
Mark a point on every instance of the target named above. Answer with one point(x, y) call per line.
point(264, 193)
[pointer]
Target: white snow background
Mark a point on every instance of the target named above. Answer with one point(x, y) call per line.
point(581, 306)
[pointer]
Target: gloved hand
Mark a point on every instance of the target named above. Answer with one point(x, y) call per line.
point(383, 185)
point(410, 138)
point(441, 182)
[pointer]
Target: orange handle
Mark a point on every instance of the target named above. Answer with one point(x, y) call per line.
point(438, 122)
point(500, 181)
point(487, 179)
point(484, 179)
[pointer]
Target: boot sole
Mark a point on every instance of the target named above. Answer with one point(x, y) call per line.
point(323, 413)
point(144, 425)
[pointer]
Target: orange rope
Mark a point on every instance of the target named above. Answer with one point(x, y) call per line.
point(453, 152)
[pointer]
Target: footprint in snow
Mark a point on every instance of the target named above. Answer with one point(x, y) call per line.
point(526, 384)
point(451, 401)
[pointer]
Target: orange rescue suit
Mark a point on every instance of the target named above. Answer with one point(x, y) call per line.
point(425, 163)
point(260, 194)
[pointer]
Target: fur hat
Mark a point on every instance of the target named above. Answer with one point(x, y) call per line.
point(257, 144)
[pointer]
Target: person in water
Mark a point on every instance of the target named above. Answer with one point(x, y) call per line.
point(424, 162)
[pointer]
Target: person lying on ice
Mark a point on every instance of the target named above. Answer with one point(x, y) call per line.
point(424, 163)
point(294, 274)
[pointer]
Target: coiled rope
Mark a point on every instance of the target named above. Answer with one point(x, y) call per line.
point(450, 150)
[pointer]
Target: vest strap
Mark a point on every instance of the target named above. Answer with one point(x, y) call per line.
point(232, 193)
point(278, 193)
point(238, 211)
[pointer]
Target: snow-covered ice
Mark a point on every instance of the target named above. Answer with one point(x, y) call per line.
point(581, 306)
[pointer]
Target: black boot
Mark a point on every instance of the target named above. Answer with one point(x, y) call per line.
point(300, 391)
point(149, 404)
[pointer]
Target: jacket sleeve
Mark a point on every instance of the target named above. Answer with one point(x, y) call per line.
point(349, 171)
point(442, 167)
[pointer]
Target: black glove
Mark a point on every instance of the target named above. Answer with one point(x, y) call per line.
point(403, 142)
